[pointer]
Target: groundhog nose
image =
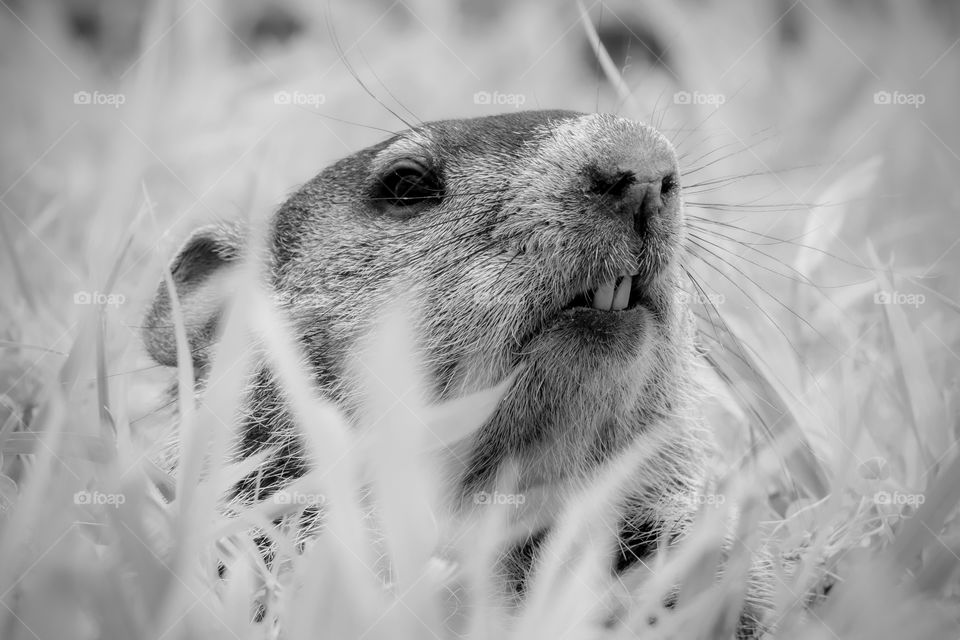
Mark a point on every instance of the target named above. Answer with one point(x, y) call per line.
point(641, 197)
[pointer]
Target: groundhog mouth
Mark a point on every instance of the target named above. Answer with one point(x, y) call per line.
point(612, 315)
point(623, 293)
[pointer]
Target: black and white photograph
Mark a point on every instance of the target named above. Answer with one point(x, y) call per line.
point(479, 319)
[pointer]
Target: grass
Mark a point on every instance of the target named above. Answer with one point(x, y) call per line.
point(835, 411)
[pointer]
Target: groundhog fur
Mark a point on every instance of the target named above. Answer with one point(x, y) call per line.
point(543, 242)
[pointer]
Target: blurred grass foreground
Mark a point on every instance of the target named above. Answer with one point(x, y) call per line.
point(820, 148)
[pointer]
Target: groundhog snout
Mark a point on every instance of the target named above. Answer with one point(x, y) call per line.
point(638, 196)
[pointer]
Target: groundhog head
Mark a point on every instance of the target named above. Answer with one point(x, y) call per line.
point(543, 239)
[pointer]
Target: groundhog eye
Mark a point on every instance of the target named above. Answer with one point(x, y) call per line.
point(407, 184)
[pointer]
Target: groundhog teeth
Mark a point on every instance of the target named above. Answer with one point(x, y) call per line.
point(622, 297)
point(603, 298)
point(613, 295)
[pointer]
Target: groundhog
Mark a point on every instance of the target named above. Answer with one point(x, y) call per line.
point(547, 239)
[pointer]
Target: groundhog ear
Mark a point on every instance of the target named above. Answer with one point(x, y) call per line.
point(199, 276)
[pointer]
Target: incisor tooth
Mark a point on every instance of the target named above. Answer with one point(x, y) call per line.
point(622, 297)
point(603, 297)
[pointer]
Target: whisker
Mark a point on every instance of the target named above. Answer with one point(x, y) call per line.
point(715, 148)
point(733, 179)
point(705, 297)
point(341, 53)
point(755, 303)
point(700, 124)
point(767, 315)
point(779, 241)
point(750, 206)
point(753, 247)
point(802, 280)
point(385, 87)
point(758, 419)
point(712, 149)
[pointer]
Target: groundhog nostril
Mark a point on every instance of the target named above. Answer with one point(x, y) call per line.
point(614, 186)
point(668, 185)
